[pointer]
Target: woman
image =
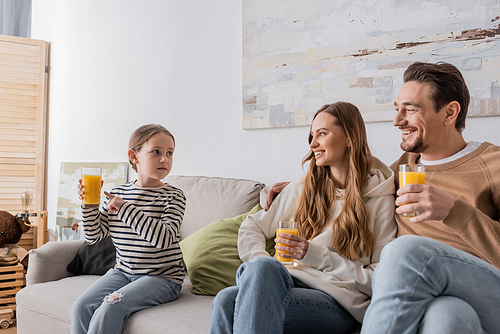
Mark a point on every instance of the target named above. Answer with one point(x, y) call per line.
point(344, 209)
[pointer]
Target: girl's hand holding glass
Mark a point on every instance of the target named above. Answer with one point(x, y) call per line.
point(80, 191)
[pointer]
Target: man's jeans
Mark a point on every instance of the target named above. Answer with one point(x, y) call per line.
point(107, 304)
point(425, 286)
point(267, 299)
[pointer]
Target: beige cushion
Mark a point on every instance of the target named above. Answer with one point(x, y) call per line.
point(214, 199)
point(46, 308)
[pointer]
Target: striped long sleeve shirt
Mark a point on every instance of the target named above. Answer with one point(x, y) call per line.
point(145, 231)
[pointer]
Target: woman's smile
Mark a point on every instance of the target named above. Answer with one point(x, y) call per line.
point(318, 154)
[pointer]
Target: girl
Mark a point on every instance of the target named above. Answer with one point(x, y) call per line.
point(344, 209)
point(143, 218)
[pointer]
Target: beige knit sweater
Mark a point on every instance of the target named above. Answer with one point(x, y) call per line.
point(473, 224)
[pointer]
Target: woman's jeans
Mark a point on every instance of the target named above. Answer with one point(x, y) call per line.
point(425, 286)
point(267, 300)
point(107, 304)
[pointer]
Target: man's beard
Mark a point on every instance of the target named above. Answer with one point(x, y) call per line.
point(417, 147)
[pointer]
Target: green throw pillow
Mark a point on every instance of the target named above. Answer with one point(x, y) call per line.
point(211, 254)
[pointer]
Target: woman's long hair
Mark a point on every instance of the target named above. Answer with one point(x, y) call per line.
point(352, 236)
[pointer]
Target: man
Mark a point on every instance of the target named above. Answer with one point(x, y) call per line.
point(442, 275)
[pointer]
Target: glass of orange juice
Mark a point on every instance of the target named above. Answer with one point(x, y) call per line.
point(91, 181)
point(411, 174)
point(285, 227)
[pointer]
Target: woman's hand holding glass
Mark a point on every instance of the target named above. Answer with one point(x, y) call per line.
point(297, 246)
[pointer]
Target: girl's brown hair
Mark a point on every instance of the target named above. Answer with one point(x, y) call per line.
point(142, 135)
point(352, 236)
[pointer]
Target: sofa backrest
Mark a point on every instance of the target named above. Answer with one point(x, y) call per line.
point(209, 199)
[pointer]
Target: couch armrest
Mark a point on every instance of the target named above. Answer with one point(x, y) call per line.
point(49, 262)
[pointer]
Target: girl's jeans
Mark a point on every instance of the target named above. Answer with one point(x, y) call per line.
point(107, 304)
point(424, 286)
point(267, 299)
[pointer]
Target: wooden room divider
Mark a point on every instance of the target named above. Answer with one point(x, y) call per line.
point(24, 69)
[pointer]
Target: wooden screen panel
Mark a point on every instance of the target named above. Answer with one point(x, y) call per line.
point(23, 117)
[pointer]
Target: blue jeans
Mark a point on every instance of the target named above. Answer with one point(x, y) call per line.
point(107, 304)
point(424, 286)
point(266, 299)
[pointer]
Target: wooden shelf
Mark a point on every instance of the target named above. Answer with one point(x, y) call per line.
point(12, 279)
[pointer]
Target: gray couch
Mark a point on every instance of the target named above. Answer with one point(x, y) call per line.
point(44, 305)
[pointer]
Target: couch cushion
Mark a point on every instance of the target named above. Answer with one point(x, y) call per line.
point(210, 199)
point(211, 254)
point(188, 314)
point(46, 308)
point(51, 300)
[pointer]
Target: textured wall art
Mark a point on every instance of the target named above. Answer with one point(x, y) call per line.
point(299, 55)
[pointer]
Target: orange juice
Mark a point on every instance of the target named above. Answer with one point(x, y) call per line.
point(91, 190)
point(411, 177)
point(284, 230)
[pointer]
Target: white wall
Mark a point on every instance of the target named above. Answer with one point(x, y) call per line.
point(118, 64)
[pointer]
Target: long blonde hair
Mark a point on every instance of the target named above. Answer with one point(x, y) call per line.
point(352, 236)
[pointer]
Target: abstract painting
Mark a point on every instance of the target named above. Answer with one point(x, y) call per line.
point(301, 54)
point(69, 213)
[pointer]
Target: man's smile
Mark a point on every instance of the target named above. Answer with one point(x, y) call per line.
point(406, 131)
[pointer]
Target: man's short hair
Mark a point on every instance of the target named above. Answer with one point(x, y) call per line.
point(446, 85)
